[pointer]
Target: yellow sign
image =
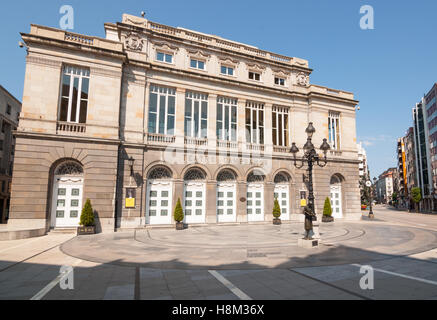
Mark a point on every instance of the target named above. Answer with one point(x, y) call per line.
point(303, 203)
point(130, 202)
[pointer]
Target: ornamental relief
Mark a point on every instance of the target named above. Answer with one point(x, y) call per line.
point(281, 72)
point(134, 42)
point(198, 54)
point(256, 67)
point(228, 60)
point(165, 46)
point(303, 80)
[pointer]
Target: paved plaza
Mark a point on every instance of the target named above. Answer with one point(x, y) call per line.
point(238, 262)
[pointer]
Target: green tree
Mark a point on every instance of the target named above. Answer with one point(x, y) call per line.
point(327, 209)
point(276, 209)
point(416, 196)
point(178, 212)
point(87, 215)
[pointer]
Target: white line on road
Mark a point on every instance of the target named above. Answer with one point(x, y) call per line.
point(400, 275)
point(53, 283)
point(240, 294)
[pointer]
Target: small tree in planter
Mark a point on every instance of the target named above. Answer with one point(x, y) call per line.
point(416, 196)
point(276, 213)
point(179, 215)
point(87, 220)
point(327, 211)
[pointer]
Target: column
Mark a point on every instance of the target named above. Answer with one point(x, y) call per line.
point(211, 202)
point(180, 115)
point(212, 123)
point(241, 125)
point(269, 188)
point(241, 205)
point(268, 139)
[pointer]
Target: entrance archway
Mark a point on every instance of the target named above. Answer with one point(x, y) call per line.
point(255, 196)
point(194, 196)
point(226, 196)
point(336, 196)
point(282, 193)
point(159, 196)
point(67, 195)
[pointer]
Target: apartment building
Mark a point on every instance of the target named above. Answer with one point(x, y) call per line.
point(431, 115)
point(10, 109)
point(152, 114)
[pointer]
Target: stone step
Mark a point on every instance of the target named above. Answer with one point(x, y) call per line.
point(72, 230)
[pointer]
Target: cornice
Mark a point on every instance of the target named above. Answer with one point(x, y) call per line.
point(31, 59)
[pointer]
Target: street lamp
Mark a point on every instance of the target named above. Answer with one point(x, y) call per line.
point(131, 164)
point(310, 157)
point(370, 190)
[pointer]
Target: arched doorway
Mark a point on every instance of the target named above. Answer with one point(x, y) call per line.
point(159, 196)
point(255, 196)
point(282, 193)
point(226, 196)
point(194, 196)
point(336, 196)
point(67, 195)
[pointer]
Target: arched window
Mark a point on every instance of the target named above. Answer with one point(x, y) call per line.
point(195, 175)
point(256, 176)
point(336, 179)
point(226, 175)
point(282, 177)
point(69, 168)
point(160, 173)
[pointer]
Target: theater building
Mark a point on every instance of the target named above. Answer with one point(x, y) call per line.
point(154, 113)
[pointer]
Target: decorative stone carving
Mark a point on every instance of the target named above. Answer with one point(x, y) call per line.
point(256, 66)
point(134, 42)
point(228, 60)
point(165, 46)
point(198, 54)
point(129, 19)
point(303, 79)
point(281, 72)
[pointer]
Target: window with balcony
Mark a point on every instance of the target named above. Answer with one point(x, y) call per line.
point(226, 119)
point(227, 71)
point(162, 107)
point(254, 76)
point(280, 81)
point(254, 122)
point(164, 57)
point(280, 126)
point(196, 115)
point(197, 64)
point(334, 130)
point(74, 94)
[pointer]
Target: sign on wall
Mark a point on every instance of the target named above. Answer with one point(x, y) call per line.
point(303, 199)
point(130, 197)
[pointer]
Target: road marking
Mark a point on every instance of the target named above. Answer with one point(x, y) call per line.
point(53, 283)
point(400, 275)
point(240, 294)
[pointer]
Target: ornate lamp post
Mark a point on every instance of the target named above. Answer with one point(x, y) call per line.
point(311, 158)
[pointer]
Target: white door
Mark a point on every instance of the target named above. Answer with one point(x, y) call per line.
point(67, 202)
point(282, 193)
point(226, 202)
point(336, 202)
point(159, 203)
point(194, 202)
point(255, 202)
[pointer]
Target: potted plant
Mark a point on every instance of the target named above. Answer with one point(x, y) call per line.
point(87, 224)
point(327, 211)
point(179, 216)
point(277, 213)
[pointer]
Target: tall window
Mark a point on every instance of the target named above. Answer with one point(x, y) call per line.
point(226, 119)
point(280, 126)
point(334, 130)
point(254, 122)
point(196, 115)
point(74, 95)
point(162, 110)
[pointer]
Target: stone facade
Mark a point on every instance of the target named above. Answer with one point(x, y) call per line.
point(140, 61)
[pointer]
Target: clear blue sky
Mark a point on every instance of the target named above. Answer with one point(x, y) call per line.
point(388, 68)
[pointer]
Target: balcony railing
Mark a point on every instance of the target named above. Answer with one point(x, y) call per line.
point(255, 147)
point(227, 144)
point(196, 141)
point(156, 138)
point(71, 127)
point(281, 149)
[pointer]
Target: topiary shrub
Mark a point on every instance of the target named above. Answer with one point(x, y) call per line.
point(179, 212)
point(276, 209)
point(327, 209)
point(87, 215)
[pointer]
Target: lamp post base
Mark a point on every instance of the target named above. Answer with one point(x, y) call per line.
point(308, 244)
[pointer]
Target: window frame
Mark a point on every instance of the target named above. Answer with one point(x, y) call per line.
point(255, 73)
point(73, 75)
point(279, 81)
point(224, 135)
point(280, 114)
point(334, 130)
point(201, 99)
point(197, 60)
point(165, 54)
point(228, 67)
point(166, 93)
point(255, 108)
